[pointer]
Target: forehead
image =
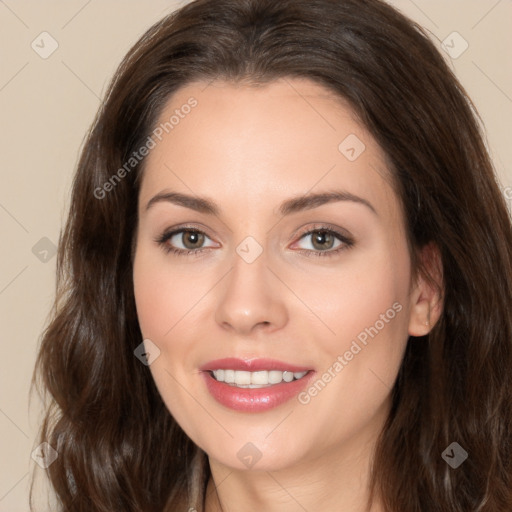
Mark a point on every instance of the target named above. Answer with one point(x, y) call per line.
point(255, 145)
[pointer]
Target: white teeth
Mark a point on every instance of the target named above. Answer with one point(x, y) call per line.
point(258, 379)
point(242, 378)
point(275, 377)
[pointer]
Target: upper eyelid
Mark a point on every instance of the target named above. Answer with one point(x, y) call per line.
point(319, 226)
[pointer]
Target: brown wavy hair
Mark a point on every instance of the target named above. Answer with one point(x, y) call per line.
point(119, 447)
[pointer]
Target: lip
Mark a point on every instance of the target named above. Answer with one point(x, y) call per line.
point(251, 365)
point(254, 399)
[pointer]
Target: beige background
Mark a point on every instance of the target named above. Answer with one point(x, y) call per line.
point(48, 104)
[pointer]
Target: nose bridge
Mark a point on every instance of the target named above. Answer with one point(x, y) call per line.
point(251, 296)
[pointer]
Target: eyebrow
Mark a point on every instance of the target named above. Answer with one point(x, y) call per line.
point(293, 205)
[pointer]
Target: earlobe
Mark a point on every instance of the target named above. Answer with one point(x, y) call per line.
point(426, 299)
point(420, 321)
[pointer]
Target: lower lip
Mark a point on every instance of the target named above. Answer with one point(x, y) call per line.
point(254, 399)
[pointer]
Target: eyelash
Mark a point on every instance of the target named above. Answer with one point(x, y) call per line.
point(347, 242)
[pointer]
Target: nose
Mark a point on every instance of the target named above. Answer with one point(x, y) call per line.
point(251, 298)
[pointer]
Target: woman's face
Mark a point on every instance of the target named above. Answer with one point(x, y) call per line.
point(255, 171)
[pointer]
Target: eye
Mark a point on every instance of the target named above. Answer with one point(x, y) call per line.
point(325, 241)
point(183, 241)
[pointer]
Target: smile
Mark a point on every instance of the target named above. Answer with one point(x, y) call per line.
point(260, 379)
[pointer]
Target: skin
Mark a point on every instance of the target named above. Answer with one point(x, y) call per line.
point(249, 149)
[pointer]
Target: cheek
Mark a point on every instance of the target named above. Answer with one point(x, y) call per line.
point(163, 294)
point(375, 332)
point(359, 296)
point(366, 307)
point(148, 300)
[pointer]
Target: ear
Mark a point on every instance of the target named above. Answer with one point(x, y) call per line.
point(427, 297)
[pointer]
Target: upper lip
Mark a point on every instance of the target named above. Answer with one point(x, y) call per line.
point(251, 365)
